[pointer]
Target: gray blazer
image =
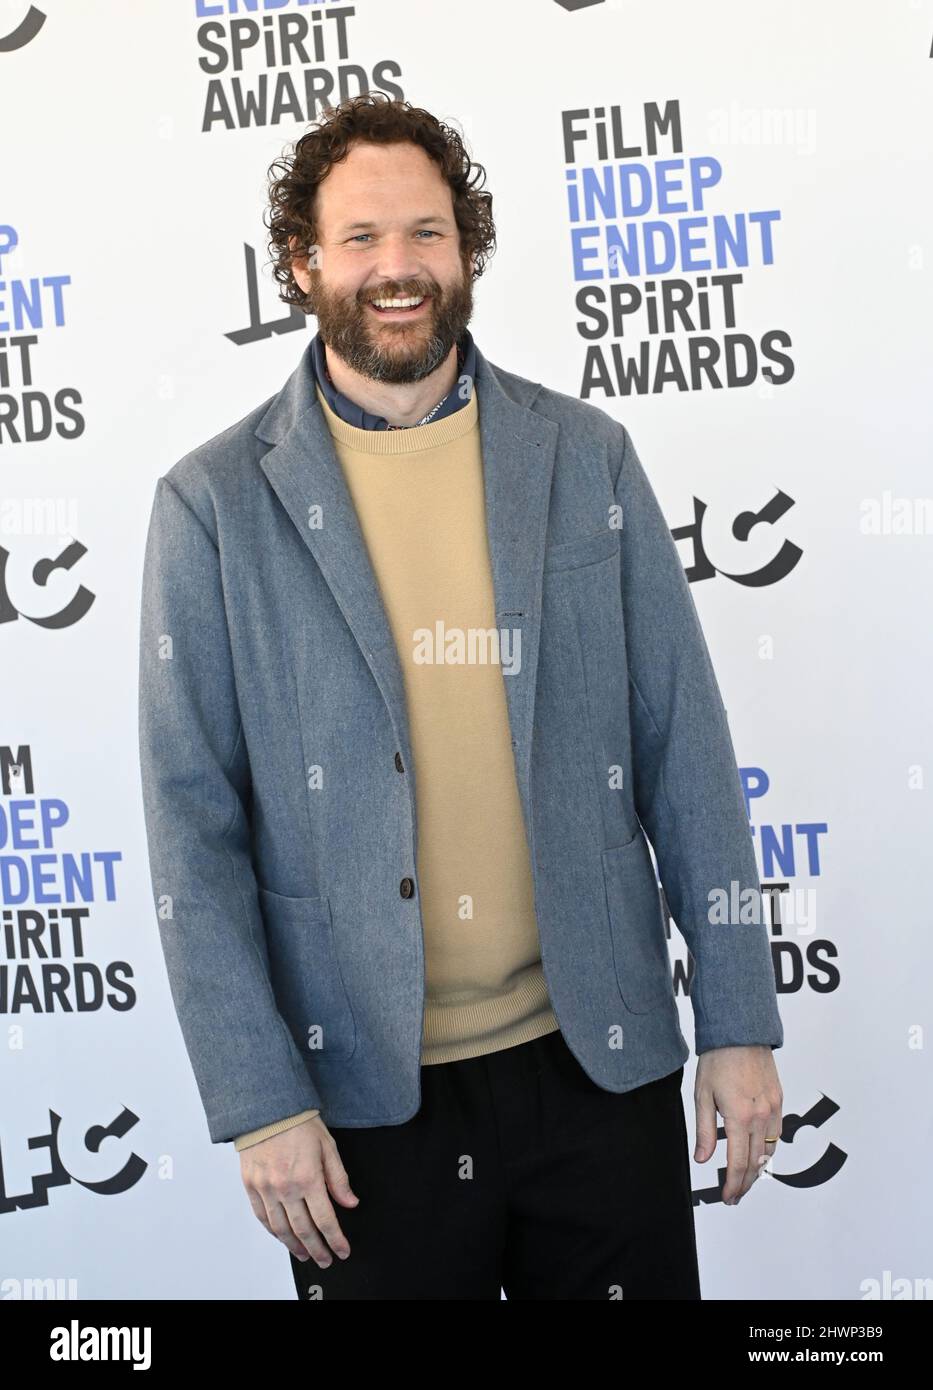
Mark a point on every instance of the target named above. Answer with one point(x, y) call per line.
point(289, 912)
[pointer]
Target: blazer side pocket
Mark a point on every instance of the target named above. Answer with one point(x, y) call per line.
point(636, 920)
point(306, 977)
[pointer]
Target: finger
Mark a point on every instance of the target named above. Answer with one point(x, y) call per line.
point(757, 1129)
point(775, 1125)
point(325, 1218)
point(706, 1125)
point(336, 1176)
point(259, 1207)
point(301, 1223)
point(737, 1139)
point(281, 1228)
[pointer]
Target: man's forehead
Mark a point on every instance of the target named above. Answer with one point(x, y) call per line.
point(404, 219)
point(354, 208)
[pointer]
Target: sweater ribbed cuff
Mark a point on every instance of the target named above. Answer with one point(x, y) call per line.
point(255, 1136)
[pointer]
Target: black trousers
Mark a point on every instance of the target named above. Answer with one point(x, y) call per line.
point(518, 1173)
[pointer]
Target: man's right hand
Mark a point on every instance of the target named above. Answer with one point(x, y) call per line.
point(287, 1179)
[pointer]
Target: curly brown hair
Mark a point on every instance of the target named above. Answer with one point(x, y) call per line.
point(294, 179)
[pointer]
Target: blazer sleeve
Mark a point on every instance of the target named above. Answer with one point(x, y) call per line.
point(687, 790)
point(195, 788)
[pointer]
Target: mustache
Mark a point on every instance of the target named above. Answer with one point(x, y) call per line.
point(386, 293)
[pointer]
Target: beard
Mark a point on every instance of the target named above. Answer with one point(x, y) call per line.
point(396, 352)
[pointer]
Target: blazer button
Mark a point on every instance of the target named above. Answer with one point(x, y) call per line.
point(398, 762)
point(407, 887)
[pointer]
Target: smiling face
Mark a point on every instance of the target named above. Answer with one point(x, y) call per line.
point(386, 230)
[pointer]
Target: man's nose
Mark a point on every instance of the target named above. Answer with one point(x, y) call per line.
point(398, 260)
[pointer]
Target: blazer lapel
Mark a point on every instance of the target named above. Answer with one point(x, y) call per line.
point(519, 449)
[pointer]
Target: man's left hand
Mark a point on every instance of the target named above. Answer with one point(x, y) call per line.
point(742, 1084)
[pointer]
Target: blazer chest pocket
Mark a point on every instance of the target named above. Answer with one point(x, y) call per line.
point(305, 973)
point(636, 921)
point(588, 550)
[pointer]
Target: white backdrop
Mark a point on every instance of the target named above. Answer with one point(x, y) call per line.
point(129, 211)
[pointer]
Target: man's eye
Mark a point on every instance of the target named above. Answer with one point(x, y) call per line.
point(425, 231)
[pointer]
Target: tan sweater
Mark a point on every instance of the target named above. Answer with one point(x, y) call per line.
point(420, 501)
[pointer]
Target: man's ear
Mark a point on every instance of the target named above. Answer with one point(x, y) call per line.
point(299, 263)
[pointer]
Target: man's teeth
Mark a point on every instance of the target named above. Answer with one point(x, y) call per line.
point(398, 303)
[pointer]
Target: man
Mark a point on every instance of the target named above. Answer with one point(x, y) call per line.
point(421, 675)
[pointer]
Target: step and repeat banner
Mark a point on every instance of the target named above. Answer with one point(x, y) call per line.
point(714, 223)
